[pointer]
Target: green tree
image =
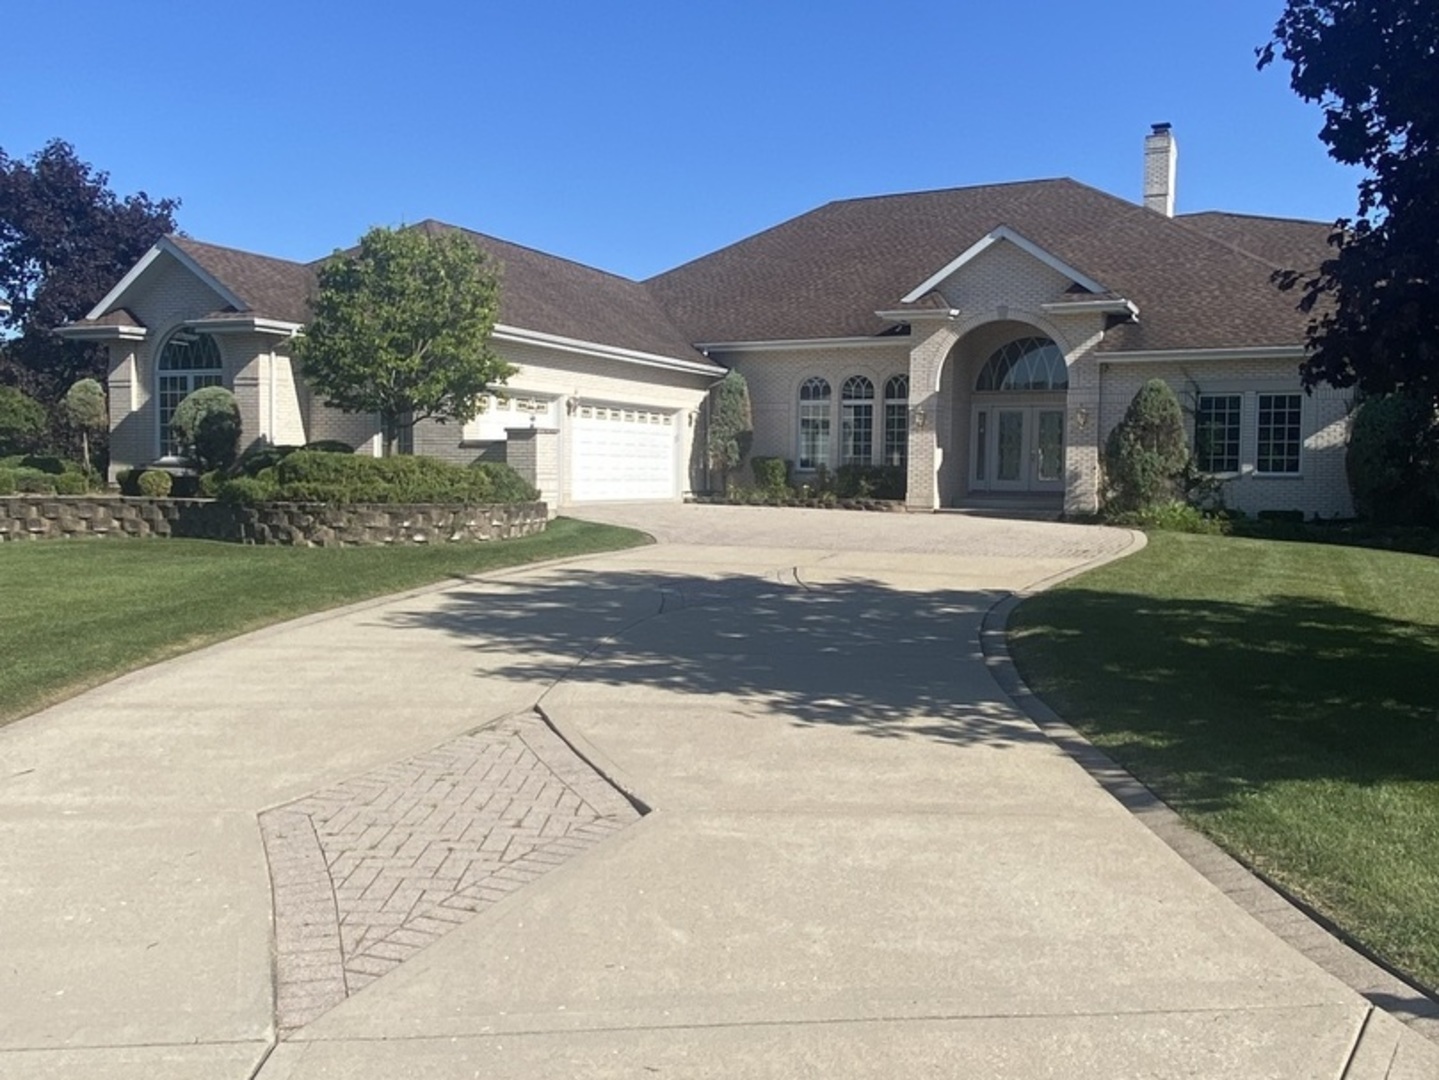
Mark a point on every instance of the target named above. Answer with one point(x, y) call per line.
point(84, 409)
point(23, 422)
point(65, 239)
point(401, 328)
point(1393, 460)
point(731, 426)
point(207, 424)
point(1146, 453)
point(1371, 65)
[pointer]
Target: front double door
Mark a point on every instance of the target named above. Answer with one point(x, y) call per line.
point(1016, 448)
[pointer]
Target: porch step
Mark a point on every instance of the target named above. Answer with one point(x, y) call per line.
point(1022, 507)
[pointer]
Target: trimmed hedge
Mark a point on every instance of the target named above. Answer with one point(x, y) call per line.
point(771, 474)
point(155, 483)
point(313, 476)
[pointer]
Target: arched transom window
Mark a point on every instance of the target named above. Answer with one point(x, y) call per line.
point(857, 420)
point(1028, 364)
point(814, 397)
point(896, 420)
point(188, 361)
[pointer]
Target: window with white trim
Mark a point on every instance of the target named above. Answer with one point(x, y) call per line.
point(1279, 424)
point(1216, 432)
point(188, 361)
point(512, 411)
point(814, 423)
point(896, 421)
point(856, 417)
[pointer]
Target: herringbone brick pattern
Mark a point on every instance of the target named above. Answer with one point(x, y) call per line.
point(368, 872)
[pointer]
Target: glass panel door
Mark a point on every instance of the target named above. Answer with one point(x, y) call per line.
point(1049, 446)
point(1010, 446)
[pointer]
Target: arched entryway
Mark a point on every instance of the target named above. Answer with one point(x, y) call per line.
point(1017, 418)
point(1006, 384)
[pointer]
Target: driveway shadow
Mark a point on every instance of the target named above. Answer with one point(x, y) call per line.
point(860, 655)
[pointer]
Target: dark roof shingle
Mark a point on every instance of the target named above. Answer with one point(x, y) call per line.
point(825, 273)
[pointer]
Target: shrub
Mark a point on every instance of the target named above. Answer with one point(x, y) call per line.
point(84, 409)
point(71, 483)
point(506, 484)
point(770, 473)
point(207, 424)
point(1172, 516)
point(154, 483)
point(260, 457)
point(1393, 461)
point(245, 491)
point(329, 446)
point(24, 423)
point(128, 481)
point(870, 482)
point(208, 486)
point(34, 482)
point(337, 479)
point(47, 463)
point(1146, 453)
point(7, 481)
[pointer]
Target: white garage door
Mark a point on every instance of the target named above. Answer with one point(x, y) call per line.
point(622, 453)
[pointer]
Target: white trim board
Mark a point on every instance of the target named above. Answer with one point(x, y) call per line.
point(608, 352)
point(165, 246)
point(1175, 356)
point(1004, 232)
point(798, 344)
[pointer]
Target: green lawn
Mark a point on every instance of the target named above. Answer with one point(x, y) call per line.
point(1283, 697)
point(75, 613)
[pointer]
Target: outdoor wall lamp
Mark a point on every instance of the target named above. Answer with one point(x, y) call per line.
point(1081, 418)
point(917, 414)
point(572, 405)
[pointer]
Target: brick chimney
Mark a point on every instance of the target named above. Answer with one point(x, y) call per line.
point(1161, 156)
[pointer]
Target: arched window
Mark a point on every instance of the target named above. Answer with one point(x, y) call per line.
point(187, 362)
point(1032, 363)
point(896, 420)
point(856, 415)
point(814, 396)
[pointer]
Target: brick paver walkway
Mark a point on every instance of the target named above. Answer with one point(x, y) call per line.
point(368, 872)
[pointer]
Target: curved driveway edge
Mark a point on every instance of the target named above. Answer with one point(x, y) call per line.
point(1279, 912)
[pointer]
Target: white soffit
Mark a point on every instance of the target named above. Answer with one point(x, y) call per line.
point(1004, 232)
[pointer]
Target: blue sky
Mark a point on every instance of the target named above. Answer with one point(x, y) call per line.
point(636, 136)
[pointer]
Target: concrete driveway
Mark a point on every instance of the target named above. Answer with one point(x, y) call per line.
point(363, 844)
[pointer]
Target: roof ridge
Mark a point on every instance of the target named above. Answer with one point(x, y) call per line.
point(1255, 217)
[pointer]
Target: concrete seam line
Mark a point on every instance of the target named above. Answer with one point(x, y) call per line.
point(1141, 801)
point(1357, 1041)
point(595, 760)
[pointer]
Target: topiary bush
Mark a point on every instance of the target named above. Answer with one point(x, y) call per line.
point(771, 474)
point(207, 425)
point(7, 481)
point(154, 483)
point(1393, 461)
point(1146, 453)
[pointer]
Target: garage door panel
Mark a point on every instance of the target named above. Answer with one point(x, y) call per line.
point(622, 452)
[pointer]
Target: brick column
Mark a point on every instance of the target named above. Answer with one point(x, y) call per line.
point(931, 342)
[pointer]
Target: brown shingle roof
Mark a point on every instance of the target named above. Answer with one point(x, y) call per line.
point(557, 296)
point(538, 292)
point(825, 273)
point(275, 288)
point(1288, 243)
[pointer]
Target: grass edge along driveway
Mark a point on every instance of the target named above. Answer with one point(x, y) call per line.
point(1283, 698)
point(75, 614)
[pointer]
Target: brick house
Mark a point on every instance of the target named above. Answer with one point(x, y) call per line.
point(984, 339)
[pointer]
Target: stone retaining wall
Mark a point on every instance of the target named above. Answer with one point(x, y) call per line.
point(53, 517)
